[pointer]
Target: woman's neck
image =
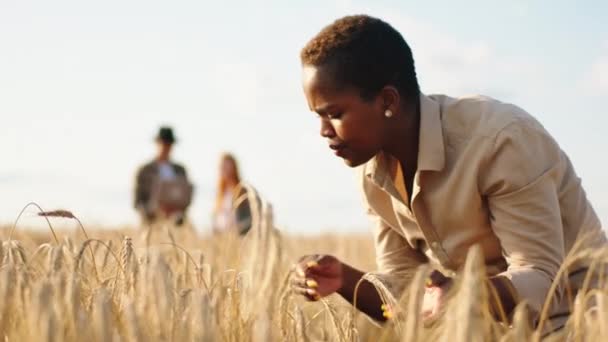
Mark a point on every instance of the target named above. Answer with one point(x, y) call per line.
point(405, 136)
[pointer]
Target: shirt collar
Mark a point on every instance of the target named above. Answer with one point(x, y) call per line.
point(431, 150)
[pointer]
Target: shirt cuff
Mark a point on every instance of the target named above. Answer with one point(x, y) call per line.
point(530, 285)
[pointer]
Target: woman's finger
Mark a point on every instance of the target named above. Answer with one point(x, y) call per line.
point(304, 282)
point(309, 293)
point(311, 283)
point(303, 268)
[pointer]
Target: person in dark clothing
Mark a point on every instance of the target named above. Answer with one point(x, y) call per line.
point(162, 188)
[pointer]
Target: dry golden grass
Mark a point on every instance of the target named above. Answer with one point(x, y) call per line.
point(168, 284)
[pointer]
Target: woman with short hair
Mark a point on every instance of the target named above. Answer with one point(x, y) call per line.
point(439, 175)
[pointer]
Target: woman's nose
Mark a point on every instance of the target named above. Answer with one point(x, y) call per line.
point(327, 130)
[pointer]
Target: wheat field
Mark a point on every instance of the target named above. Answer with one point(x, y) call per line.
point(169, 284)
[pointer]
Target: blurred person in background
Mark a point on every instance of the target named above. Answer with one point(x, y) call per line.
point(162, 189)
point(440, 175)
point(232, 210)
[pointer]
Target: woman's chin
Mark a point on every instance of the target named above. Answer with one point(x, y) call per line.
point(350, 162)
point(352, 158)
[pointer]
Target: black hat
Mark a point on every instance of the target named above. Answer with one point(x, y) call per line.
point(165, 134)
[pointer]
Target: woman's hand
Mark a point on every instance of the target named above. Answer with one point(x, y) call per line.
point(317, 276)
point(432, 303)
point(434, 298)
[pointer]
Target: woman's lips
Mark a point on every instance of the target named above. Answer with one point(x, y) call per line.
point(337, 148)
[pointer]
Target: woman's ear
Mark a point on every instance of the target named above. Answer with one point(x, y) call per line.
point(390, 98)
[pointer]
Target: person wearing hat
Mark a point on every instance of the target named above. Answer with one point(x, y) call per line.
point(162, 188)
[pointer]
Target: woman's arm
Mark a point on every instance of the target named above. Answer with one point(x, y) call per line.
point(368, 300)
point(521, 184)
point(397, 262)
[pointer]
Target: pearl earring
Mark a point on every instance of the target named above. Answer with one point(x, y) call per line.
point(388, 113)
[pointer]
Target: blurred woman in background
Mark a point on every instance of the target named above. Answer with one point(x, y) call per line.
point(232, 211)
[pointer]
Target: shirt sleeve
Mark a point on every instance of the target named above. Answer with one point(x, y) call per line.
point(521, 183)
point(397, 261)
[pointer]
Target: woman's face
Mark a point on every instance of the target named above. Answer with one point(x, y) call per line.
point(353, 126)
point(227, 169)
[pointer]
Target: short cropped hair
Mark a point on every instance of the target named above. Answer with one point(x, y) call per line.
point(366, 53)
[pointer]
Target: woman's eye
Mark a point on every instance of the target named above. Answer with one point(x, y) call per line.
point(334, 115)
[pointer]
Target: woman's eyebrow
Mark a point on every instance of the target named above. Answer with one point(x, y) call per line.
point(324, 108)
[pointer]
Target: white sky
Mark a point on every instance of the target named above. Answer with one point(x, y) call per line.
point(85, 85)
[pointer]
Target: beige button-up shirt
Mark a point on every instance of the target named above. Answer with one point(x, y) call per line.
point(488, 174)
